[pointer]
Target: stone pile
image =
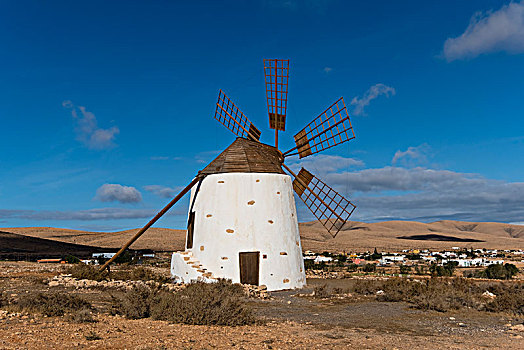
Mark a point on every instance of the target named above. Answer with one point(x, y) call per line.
point(256, 292)
point(68, 281)
point(327, 274)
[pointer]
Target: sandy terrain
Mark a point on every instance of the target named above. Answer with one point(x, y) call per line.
point(355, 236)
point(288, 321)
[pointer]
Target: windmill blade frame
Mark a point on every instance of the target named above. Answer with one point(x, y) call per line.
point(331, 128)
point(276, 72)
point(229, 115)
point(330, 208)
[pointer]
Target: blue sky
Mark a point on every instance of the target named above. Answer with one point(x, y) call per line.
point(106, 108)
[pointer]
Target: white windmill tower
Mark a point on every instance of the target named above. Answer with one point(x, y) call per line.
point(242, 220)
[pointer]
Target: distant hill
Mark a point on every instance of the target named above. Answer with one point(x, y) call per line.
point(354, 236)
point(15, 246)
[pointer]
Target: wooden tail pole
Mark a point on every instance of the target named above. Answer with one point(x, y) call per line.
point(150, 223)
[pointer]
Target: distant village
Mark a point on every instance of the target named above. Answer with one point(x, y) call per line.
point(414, 260)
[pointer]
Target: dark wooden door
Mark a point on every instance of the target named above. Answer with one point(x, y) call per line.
point(249, 266)
point(190, 229)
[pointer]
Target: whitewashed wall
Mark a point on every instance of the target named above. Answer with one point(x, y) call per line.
point(246, 212)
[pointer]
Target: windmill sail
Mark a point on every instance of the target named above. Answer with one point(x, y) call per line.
point(329, 207)
point(277, 75)
point(232, 118)
point(332, 127)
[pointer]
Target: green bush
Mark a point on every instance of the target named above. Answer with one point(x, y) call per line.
point(404, 270)
point(369, 268)
point(71, 259)
point(499, 271)
point(352, 267)
point(446, 270)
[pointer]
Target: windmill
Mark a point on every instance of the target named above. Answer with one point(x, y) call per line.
point(242, 220)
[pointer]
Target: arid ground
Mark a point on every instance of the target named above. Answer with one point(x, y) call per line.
point(289, 320)
point(355, 236)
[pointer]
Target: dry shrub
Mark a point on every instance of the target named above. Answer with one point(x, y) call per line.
point(396, 289)
point(83, 315)
point(443, 294)
point(92, 336)
point(139, 274)
point(321, 291)
point(509, 298)
point(4, 300)
point(135, 303)
point(367, 287)
point(52, 304)
point(87, 272)
point(220, 303)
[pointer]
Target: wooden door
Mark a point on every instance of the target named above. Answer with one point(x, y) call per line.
point(249, 267)
point(190, 229)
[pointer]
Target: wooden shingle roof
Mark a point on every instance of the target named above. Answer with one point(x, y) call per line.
point(246, 156)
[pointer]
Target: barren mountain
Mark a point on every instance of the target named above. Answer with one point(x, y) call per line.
point(354, 236)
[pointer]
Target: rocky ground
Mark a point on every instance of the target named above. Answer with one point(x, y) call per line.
point(289, 320)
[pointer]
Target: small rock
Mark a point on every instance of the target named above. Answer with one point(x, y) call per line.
point(452, 318)
point(489, 295)
point(518, 327)
point(462, 324)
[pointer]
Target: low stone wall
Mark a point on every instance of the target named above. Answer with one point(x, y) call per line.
point(68, 281)
point(257, 292)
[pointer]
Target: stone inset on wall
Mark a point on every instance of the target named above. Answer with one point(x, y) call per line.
point(283, 253)
point(230, 230)
point(251, 202)
point(201, 248)
point(270, 221)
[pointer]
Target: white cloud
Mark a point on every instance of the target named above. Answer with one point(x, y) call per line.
point(87, 129)
point(327, 69)
point(323, 164)
point(372, 93)
point(83, 215)
point(162, 191)
point(412, 155)
point(502, 30)
point(118, 193)
point(428, 194)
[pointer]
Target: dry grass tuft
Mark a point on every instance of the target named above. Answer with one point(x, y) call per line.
point(82, 271)
point(50, 304)
point(220, 303)
point(443, 294)
point(87, 272)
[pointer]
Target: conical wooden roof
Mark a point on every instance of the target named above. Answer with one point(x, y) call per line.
point(246, 156)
